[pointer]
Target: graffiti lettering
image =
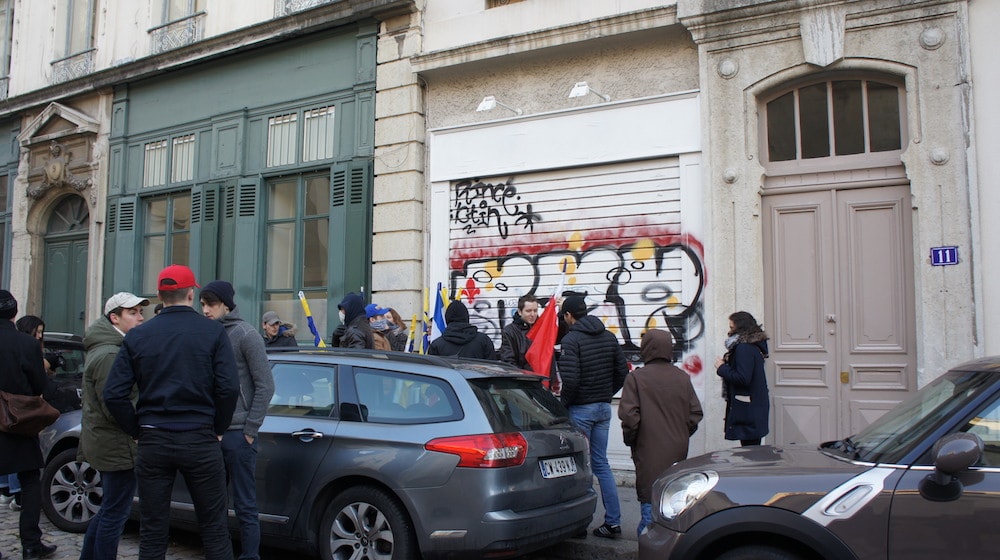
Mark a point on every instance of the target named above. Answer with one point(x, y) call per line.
point(485, 205)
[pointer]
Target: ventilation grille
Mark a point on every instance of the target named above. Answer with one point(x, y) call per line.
point(211, 208)
point(339, 185)
point(112, 217)
point(196, 207)
point(230, 201)
point(248, 200)
point(126, 216)
point(357, 186)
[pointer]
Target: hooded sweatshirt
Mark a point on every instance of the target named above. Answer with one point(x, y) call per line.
point(103, 443)
point(256, 381)
point(355, 332)
point(659, 411)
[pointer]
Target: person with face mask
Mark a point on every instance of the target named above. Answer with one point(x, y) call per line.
point(379, 325)
point(354, 330)
point(744, 383)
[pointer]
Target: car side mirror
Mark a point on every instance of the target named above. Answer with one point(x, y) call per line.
point(952, 454)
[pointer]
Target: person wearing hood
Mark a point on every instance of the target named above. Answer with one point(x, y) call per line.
point(103, 443)
point(593, 369)
point(354, 330)
point(659, 411)
point(461, 338)
point(277, 333)
point(744, 385)
point(239, 443)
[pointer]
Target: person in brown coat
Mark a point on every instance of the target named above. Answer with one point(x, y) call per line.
point(659, 411)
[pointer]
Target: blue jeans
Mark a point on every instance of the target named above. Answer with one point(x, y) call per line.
point(594, 420)
point(241, 467)
point(10, 482)
point(646, 514)
point(197, 455)
point(105, 529)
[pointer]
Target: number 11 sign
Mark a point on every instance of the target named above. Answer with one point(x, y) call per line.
point(944, 256)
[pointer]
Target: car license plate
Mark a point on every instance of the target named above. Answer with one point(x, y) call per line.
point(558, 466)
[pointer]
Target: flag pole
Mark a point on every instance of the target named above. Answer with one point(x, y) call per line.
point(317, 339)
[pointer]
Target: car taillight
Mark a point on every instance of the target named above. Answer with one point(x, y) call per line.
point(483, 450)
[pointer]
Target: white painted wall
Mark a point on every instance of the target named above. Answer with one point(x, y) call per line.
point(984, 20)
point(452, 23)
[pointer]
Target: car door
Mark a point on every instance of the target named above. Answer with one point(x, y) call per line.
point(293, 440)
point(958, 522)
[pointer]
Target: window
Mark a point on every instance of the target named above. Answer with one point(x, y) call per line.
point(174, 10)
point(78, 21)
point(399, 398)
point(175, 155)
point(302, 390)
point(298, 229)
point(316, 137)
point(834, 118)
point(166, 235)
point(6, 23)
point(986, 425)
point(4, 227)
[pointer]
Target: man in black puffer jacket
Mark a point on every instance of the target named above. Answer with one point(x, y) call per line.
point(460, 338)
point(593, 369)
point(354, 330)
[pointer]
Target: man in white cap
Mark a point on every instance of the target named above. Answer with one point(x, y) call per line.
point(103, 444)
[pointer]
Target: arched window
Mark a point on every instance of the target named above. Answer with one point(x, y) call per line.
point(811, 124)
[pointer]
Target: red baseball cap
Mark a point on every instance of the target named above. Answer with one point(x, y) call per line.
point(176, 277)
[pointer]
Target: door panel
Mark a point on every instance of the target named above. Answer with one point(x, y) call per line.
point(839, 309)
point(65, 285)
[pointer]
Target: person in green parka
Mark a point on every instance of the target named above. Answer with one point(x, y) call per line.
point(103, 444)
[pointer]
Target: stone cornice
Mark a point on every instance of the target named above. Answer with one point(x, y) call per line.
point(265, 33)
point(545, 38)
point(735, 19)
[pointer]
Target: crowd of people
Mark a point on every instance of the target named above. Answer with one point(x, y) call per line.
point(182, 394)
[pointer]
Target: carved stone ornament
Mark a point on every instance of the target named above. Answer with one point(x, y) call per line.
point(57, 173)
point(932, 38)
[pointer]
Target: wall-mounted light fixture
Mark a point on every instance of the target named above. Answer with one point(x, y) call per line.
point(489, 103)
point(581, 89)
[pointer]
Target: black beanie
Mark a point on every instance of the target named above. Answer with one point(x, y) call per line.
point(575, 306)
point(222, 290)
point(456, 313)
point(8, 305)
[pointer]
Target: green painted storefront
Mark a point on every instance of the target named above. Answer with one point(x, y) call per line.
point(254, 168)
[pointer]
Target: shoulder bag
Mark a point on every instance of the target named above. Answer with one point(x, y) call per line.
point(25, 415)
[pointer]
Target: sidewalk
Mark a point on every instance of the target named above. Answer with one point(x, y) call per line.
point(625, 547)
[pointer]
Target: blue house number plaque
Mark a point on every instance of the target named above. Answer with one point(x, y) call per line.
point(944, 256)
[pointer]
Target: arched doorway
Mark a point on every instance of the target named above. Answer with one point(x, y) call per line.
point(838, 256)
point(64, 299)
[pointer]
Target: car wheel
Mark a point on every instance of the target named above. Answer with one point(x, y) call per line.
point(758, 552)
point(366, 523)
point(71, 492)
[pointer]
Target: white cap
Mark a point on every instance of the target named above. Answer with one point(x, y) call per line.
point(124, 300)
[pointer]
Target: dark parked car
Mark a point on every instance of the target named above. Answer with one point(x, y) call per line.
point(921, 482)
point(380, 454)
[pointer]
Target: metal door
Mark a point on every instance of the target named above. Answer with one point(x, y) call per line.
point(839, 309)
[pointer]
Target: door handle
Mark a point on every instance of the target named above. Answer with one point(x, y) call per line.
point(311, 434)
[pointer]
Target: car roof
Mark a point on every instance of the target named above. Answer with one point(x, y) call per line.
point(52, 336)
point(466, 367)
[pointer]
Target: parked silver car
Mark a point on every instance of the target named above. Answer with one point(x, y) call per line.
point(370, 454)
point(921, 482)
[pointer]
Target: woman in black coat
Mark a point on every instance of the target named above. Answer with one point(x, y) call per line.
point(22, 372)
point(743, 383)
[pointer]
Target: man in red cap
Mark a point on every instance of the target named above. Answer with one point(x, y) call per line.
point(183, 366)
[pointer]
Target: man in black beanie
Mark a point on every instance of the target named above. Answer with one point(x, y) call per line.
point(460, 338)
point(22, 372)
point(239, 443)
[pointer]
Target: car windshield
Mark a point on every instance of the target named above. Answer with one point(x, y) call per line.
point(514, 404)
point(893, 435)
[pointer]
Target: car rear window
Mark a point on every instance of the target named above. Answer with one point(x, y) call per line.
point(514, 404)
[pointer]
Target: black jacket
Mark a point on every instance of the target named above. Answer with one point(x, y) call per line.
point(183, 365)
point(592, 364)
point(355, 332)
point(745, 386)
point(463, 340)
point(514, 343)
point(22, 372)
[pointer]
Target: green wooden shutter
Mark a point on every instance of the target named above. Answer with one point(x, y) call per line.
point(205, 209)
point(121, 250)
point(350, 228)
point(246, 242)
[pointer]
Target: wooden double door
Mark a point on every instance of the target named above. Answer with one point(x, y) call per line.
point(839, 308)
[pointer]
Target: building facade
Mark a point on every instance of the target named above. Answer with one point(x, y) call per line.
point(822, 164)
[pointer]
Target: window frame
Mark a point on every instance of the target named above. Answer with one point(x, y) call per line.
point(300, 115)
point(194, 8)
point(7, 38)
point(169, 160)
point(67, 50)
point(168, 234)
point(832, 162)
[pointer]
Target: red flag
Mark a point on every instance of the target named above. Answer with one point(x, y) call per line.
point(543, 339)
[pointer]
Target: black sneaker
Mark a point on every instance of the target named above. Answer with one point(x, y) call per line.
point(608, 531)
